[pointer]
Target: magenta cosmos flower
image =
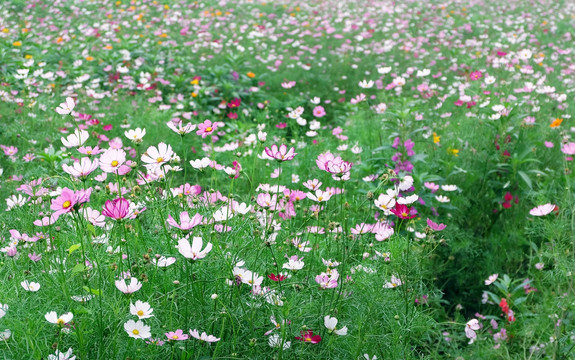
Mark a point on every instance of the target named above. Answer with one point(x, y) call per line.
point(206, 128)
point(116, 209)
point(280, 154)
point(309, 337)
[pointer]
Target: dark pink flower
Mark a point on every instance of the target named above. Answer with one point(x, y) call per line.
point(116, 209)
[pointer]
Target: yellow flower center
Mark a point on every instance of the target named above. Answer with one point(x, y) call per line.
point(140, 313)
point(175, 337)
point(308, 339)
point(66, 204)
point(60, 322)
point(135, 332)
point(404, 214)
point(209, 129)
point(160, 159)
point(320, 198)
point(115, 163)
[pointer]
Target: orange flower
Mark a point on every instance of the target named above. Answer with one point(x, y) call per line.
point(89, 58)
point(17, 43)
point(251, 75)
point(556, 123)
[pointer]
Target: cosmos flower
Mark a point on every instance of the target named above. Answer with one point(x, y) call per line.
point(542, 210)
point(130, 288)
point(82, 168)
point(203, 337)
point(30, 285)
point(491, 279)
point(280, 154)
point(194, 251)
point(331, 323)
point(137, 330)
point(186, 223)
point(470, 330)
point(67, 107)
point(58, 355)
point(154, 157)
point(116, 209)
point(78, 138)
point(308, 337)
point(53, 318)
point(136, 135)
point(141, 309)
point(177, 335)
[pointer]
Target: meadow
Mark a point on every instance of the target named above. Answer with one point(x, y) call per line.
point(326, 179)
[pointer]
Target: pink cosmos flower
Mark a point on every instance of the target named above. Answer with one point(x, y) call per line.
point(204, 337)
point(282, 153)
point(470, 328)
point(491, 279)
point(542, 210)
point(186, 223)
point(319, 111)
point(194, 251)
point(116, 209)
point(327, 281)
point(68, 199)
point(434, 226)
point(177, 335)
point(206, 128)
point(568, 149)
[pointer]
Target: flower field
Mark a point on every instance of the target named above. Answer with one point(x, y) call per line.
point(327, 179)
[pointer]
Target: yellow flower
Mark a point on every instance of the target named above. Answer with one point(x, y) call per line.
point(17, 43)
point(5, 30)
point(454, 152)
point(251, 75)
point(195, 82)
point(556, 123)
point(436, 138)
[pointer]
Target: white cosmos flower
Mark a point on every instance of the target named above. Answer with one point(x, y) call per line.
point(200, 163)
point(141, 309)
point(137, 329)
point(136, 135)
point(442, 199)
point(53, 318)
point(66, 108)
point(30, 285)
point(331, 323)
point(78, 138)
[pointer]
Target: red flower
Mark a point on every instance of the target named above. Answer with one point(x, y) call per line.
point(403, 212)
point(309, 337)
point(275, 277)
point(504, 306)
